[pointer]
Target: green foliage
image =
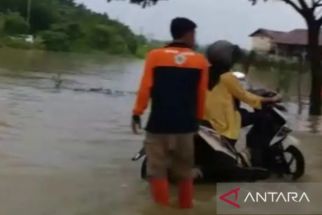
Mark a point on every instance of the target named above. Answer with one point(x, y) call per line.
point(56, 41)
point(64, 25)
point(1, 23)
point(106, 38)
point(101, 36)
point(119, 45)
point(72, 30)
point(14, 24)
point(143, 3)
point(43, 15)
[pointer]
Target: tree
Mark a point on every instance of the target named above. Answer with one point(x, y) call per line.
point(143, 3)
point(64, 25)
point(55, 41)
point(15, 24)
point(119, 46)
point(311, 12)
point(41, 14)
point(101, 36)
point(72, 29)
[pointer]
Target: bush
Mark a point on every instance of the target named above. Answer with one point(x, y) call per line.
point(14, 24)
point(101, 37)
point(55, 41)
point(73, 30)
point(118, 45)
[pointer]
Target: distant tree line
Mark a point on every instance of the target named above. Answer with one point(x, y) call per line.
point(63, 25)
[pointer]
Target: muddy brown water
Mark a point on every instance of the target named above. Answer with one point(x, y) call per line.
point(67, 152)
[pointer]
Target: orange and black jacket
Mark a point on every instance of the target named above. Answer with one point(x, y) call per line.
point(175, 79)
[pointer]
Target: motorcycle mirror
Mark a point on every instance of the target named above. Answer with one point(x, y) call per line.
point(239, 75)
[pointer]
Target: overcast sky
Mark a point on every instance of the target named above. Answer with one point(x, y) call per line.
point(232, 20)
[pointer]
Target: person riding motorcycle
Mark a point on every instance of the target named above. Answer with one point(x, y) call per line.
point(224, 94)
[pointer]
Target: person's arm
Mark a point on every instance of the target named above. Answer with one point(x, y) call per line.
point(272, 100)
point(143, 96)
point(202, 90)
point(236, 89)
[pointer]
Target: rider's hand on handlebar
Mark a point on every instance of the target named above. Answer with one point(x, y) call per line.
point(272, 100)
point(136, 124)
point(278, 98)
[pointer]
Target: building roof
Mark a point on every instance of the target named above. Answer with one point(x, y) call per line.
point(269, 33)
point(294, 37)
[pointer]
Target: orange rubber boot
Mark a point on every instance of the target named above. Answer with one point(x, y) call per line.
point(160, 191)
point(186, 194)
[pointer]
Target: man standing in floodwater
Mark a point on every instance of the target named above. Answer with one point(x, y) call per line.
point(175, 79)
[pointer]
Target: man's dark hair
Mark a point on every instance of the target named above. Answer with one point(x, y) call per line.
point(180, 26)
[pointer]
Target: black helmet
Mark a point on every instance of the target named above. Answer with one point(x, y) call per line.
point(224, 53)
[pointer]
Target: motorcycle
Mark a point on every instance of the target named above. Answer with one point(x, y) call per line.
point(218, 161)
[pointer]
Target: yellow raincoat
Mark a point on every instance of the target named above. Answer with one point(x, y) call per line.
point(220, 105)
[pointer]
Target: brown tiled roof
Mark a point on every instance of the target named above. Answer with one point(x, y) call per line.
point(297, 37)
point(294, 37)
point(270, 33)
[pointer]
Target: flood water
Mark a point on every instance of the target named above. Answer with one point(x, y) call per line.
point(67, 151)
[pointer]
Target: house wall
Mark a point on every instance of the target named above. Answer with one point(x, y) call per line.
point(261, 44)
point(290, 50)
